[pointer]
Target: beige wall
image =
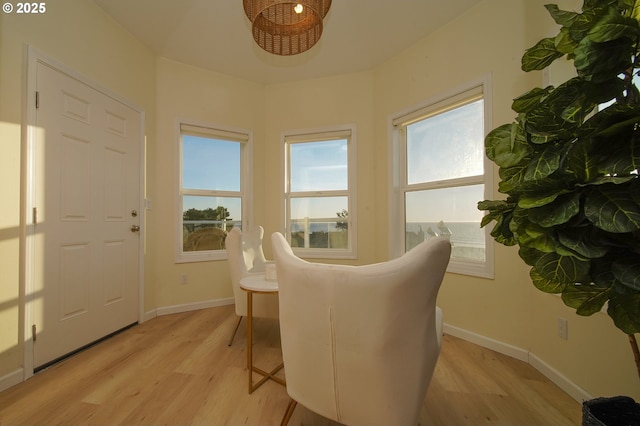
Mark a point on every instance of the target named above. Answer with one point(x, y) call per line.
point(79, 35)
point(471, 47)
point(489, 39)
point(186, 92)
point(317, 104)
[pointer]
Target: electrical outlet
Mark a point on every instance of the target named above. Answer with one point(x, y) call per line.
point(563, 328)
point(184, 279)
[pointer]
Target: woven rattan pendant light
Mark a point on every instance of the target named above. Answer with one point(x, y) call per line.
point(286, 27)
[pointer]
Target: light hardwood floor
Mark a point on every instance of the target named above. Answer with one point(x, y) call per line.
point(178, 370)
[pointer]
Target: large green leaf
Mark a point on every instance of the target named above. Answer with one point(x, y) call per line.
point(557, 213)
point(599, 92)
point(585, 299)
point(615, 130)
point(544, 163)
point(601, 273)
point(611, 208)
point(542, 139)
point(501, 232)
point(564, 43)
point(501, 212)
point(627, 271)
point(599, 61)
point(624, 160)
point(502, 235)
point(611, 121)
point(529, 255)
point(530, 100)
point(541, 55)
point(569, 102)
point(564, 269)
point(614, 26)
point(543, 121)
point(625, 312)
point(506, 146)
point(614, 180)
point(534, 236)
point(581, 162)
point(499, 206)
point(544, 284)
point(627, 4)
point(541, 198)
point(592, 12)
point(512, 179)
point(495, 209)
point(634, 6)
point(561, 111)
point(583, 241)
point(554, 267)
point(561, 17)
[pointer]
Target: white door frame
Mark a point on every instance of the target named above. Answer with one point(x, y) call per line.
point(33, 57)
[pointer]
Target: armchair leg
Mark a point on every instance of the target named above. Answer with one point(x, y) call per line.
point(289, 412)
point(235, 330)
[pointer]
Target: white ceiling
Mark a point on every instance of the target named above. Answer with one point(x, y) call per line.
point(216, 34)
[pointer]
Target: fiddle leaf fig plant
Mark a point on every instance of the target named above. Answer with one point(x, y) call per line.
point(569, 165)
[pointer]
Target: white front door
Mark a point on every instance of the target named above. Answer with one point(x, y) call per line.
point(86, 192)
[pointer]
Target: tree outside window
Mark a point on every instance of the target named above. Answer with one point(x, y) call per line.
point(213, 189)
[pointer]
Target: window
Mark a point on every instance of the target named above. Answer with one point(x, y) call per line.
point(319, 193)
point(441, 173)
point(213, 190)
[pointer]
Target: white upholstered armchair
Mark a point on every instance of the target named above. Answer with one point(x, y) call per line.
point(360, 343)
point(245, 256)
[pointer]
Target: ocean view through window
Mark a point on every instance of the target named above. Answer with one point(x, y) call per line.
point(318, 193)
point(442, 174)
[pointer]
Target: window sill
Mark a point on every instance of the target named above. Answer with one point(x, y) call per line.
point(324, 254)
point(471, 268)
point(202, 256)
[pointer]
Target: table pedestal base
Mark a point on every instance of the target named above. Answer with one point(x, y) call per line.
point(267, 376)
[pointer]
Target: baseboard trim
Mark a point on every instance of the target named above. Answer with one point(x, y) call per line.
point(176, 309)
point(486, 342)
point(11, 379)
point(149, 315)
point(573, 390)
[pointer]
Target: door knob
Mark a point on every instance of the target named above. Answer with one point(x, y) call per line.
point(135, 228)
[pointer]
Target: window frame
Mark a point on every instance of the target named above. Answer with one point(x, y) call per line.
point(226, 133)
point(399, 187)
point(347, 132)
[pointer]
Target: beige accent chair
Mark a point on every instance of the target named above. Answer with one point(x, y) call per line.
point(245, 256)
point(360, 343)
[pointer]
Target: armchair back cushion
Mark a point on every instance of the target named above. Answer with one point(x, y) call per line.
point(360, 343)
point(245, 257)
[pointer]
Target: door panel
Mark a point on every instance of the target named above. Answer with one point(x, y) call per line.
point(86, 185)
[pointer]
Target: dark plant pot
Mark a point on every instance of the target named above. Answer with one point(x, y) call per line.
point(614, 411)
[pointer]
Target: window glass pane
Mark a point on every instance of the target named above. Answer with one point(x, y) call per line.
point(449, 212)
point(206, 221)
point(319, 222)
point(210, 164)
point(446, 146)
point(319, 166)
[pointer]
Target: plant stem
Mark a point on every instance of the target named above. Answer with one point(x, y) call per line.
point(636, 351)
